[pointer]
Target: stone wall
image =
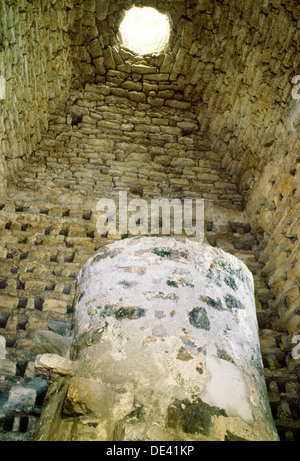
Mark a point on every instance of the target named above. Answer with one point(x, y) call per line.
point(273, 209)
point(35, 62)
point(235, 63)
point(115, 136)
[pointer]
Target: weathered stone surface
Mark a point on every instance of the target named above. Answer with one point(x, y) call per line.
point(21, 398)
point(135, 96)
point(87, 398)
point(61, 328)
point(206, 382)
point(238, 147)
point(46, 341)
point(26, 36)
point(178, 104)
point(2, 347)
point(141, 69)
point(7, 367)
point(52, 366)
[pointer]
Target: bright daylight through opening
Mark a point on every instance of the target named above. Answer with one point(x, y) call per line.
point(145, 30)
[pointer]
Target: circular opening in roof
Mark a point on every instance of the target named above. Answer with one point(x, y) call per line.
point(145, 31)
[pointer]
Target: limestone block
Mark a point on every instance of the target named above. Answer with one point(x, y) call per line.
point(102, 89)
point(155, 101)
point(86, 396)
point(8, 302)
point(137, 96)
point(88, 19)
point(96, 49)
point(180, 60)
point(55, 305)
point(133, 86)
point(147, 87)
point(21, 398)
point(171, 335)
point(187, 127)
point(171, 130)
point(174, 103)
point(187, 35)
point(46, 341)
point(7, 367)
point(101, 8)
point(162, 77)
point(109, 61)
point(167, 64)
point(52, 366)
point(293, 325)
point(141, 69)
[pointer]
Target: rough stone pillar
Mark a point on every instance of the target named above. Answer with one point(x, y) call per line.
point(165, 348)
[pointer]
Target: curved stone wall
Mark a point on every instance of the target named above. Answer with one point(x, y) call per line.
point(35, 63)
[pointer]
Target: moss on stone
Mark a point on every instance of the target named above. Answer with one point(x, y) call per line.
point(183, 355)
point(214, 277)
point(192, 417)
point(231, 282)
point(131, 313)
point(234, 273)
point(199, 319)
point(108, 310)
point(216, 304)
point(230, 437)
point(166, 296)
point(233, 303)
point(181, 282)
point(186, 283)
point(167, 253)
point(172, 283)
point(120, 313)
point(162, 252)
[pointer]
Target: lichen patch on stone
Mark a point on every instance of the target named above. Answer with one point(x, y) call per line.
point(168, 253)
point(215, 303)
point(233, 303)
point(199, 319)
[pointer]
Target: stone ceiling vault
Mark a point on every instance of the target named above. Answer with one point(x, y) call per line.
point(234, 60)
